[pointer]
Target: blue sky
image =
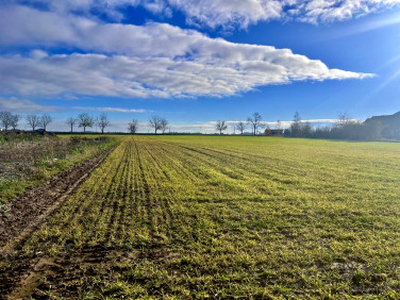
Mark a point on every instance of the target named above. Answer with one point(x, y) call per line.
point(195, 62)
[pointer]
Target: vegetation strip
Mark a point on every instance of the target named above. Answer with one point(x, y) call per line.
point(28, 212)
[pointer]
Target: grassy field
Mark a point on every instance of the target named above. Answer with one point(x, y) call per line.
point(26, 160)
point(223, 217)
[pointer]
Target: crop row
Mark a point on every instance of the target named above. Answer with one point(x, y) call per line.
point(183, 217)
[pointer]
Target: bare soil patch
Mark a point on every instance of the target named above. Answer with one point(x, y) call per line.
point(27, 213)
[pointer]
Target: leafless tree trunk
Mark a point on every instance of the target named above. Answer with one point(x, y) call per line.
point(84, 120)
point(155, 122)
point(133, 126)
point(33, 121)
point(45, 120)
point(221, 126)
point(241, 126)
point(103, 122)
point(255, 121)
point(163, 125)
point(71, 122)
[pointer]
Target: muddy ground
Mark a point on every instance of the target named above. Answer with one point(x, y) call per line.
point(26, 214)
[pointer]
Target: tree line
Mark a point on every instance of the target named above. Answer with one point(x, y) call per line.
point(254, 121)
point(9, 121)
point(375, 128)
point(346, 128)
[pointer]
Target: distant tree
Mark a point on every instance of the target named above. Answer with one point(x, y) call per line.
point(306, 129)
point(299, 128)
point(296, 126)
point(163, 125)
point(45, 120)
point(155, 123)
point(71, 122)
point(103, 122)
point(255, 122)
point(14, 121)
point(343, 119)
point(5, 119)
point(221, 126)
point(84, 120)
point(133, 126)
point(241, 126)
point(33, 121)
point(278, 125)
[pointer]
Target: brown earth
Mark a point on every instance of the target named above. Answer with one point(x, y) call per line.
point(27, 213)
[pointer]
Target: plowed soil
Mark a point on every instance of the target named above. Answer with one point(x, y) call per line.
point(27, 213)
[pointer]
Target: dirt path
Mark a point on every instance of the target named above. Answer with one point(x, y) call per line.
point(30, 211)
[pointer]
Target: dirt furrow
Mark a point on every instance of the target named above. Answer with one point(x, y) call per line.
point(30, 211)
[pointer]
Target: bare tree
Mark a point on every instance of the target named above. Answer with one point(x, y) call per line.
point(344, 119)
point(241, 126)
point(71, 122)
point(221, 126)
point(296, 128)
point(133, 126)
point(255, 122)
point(45, 120)
point(163, 125)
point(33, 121)
point(278, 125)
point(14, 121)
point(5, 119)
point(84, 120)
point(103, 122)
point(155, 122)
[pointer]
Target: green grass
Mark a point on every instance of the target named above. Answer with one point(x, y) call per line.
point(53, 157)
point(224, 217)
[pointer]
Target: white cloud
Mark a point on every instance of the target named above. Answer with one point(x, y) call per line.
point(23, 106)
point(170, 62)
point(214, 13)
point(111, 109)
point(101, 75)
point(232, 13)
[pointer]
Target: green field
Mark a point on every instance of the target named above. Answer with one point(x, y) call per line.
point(223, 217)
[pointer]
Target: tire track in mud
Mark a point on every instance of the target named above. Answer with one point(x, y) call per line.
point(29, 212)
point(32, 272)
point(26, 270)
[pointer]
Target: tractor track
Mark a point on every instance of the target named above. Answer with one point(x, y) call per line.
point(30, 211)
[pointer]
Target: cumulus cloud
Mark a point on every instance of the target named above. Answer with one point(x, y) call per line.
point(214, 13)
point(241, 13)
point(154, 60)
point(101, 75)
point(14, 104)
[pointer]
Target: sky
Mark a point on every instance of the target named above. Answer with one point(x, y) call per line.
point(196, 62)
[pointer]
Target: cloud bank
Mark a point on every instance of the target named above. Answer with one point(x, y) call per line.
point(241, 13)
point(23, 106)
point(232, 13)
point(153, 60)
